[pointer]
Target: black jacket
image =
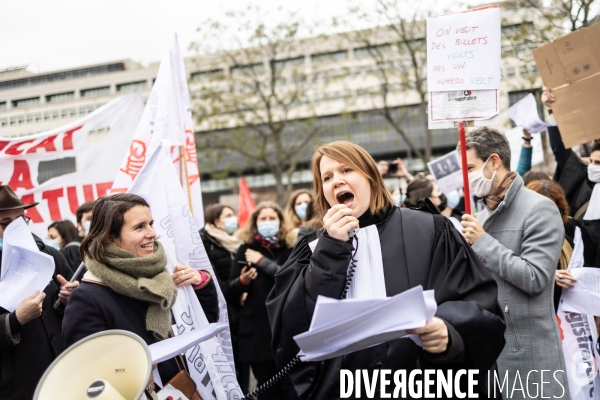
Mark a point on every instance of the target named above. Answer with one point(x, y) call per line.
point(219, 257)
point(72, 254)
point(254, 333)
point(571, 172)
point(417, 249)
point(26, 351)
point(95, 308)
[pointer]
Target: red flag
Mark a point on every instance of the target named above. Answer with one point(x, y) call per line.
point(245, 203)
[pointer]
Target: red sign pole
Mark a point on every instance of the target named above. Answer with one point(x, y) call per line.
point(465, 171)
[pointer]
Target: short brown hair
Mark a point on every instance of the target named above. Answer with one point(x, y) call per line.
point(67, 231)
point(418, 189)
point(531, 176)
point(82, 209)
point(107, 221)
point(213, 212)
point(246, 234)
point(356, 157)
point(292, 220)
point(554, 192)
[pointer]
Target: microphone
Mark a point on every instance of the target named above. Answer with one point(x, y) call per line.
point(79, 271)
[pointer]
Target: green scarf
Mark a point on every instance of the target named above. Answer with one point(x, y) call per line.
point(143, 278)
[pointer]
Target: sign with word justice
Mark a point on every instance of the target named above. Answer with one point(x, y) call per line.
point(463, 50)
point(93, 145)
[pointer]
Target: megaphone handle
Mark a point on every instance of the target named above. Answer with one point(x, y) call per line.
point(58, 304)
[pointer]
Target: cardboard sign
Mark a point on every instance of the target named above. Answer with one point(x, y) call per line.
point(447, 172)
point(570, 66)
point(463, 50)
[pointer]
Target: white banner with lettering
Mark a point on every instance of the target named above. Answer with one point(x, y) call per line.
point(211, 362)
point(167, 115)
point(90, 148)
point(579, 341)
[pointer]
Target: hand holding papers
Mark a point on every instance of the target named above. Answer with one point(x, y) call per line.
point(343, 326)
point(584, 296)
point(24, 268)
point(524, 113)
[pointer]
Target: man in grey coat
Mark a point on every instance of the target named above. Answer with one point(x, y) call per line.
point(518, 236)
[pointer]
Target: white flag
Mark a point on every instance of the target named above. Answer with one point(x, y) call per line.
point(211, 362)
point(167, 115)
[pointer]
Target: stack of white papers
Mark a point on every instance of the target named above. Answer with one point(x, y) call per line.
point(340, 327)
point(584, 296)
point(25, 269)
point(169, 348)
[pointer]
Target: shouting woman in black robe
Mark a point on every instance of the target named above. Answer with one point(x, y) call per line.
point(417, 248)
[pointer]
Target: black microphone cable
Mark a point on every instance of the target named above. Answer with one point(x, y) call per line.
point(290, 365)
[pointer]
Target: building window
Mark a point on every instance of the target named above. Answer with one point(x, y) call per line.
point(362, 52)
point(3, 122)
point(207, 75)
point(523, 71)
point(2, 105)
point(507, 51)
point(533, 71)
point(290, 62)
point(32, 101)
point(524, 28)
point(95, 92)
point(60, 97)
point(126, 87)
point(510, 72)
point(258, 68)
point(62, 76)
point(328, 57)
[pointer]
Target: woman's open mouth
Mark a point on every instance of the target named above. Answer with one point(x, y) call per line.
point(346, 198)
point(149, 246)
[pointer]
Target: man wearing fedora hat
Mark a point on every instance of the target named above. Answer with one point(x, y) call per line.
point(31, 336)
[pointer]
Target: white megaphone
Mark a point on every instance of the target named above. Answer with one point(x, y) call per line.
point(109, 365)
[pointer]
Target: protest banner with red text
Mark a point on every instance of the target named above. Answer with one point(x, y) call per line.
point(92, 147)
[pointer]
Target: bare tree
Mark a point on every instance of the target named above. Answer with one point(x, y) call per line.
point(576, 13)
point(397, 46)
point(254, 98)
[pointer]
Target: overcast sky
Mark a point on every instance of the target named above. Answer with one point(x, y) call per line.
point(58, 34)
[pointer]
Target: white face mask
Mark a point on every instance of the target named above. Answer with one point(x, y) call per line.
point(594, 173)
point(480, 185)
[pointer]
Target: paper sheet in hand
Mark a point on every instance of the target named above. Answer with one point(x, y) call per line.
point(525, 113)
point(342, 326)
point(168, 348)
point(15, 234)
point(28, 271)
point(584, 296)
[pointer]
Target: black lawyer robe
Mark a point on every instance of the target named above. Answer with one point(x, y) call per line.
point(417, 249)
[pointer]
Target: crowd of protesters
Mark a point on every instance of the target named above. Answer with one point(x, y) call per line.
point(498, 273)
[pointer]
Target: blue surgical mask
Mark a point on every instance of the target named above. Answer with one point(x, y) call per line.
point(301, 210)
point(398, 198)
point(453, 198)
point(86, 228)
point(52, 243)
point(268, 228)
point(231, 224)
point(1, 243)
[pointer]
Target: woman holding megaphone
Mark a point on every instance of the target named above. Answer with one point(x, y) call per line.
point(127, 285)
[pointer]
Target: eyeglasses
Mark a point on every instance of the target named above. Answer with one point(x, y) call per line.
point(4, 225)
